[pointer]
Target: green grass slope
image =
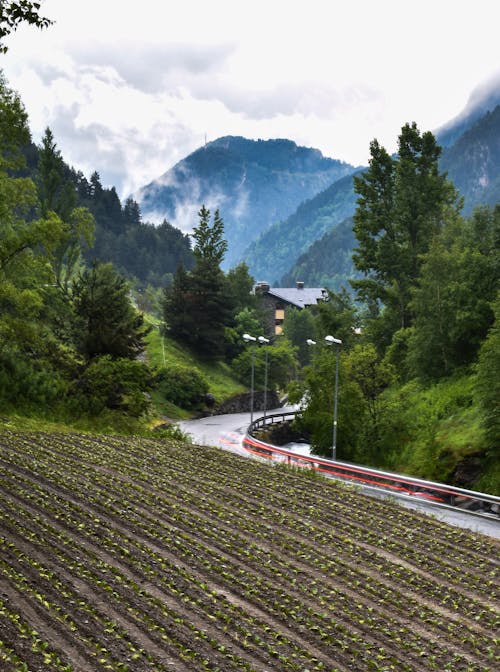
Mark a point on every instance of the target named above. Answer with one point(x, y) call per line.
point(436, 432)
point(162, 351)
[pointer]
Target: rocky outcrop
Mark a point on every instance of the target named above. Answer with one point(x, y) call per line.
point(240, 403)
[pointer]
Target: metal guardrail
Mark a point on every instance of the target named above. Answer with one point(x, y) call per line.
point(438, 493)
point(271, 419)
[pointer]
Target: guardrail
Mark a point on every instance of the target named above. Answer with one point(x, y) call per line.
point(398, 484)
point(270, 420)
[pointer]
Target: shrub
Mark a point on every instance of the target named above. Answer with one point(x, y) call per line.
point(181, 385)
point(116, 384)
point(26, 384)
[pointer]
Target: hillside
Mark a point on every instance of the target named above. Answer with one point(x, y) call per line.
point(254, 184)
point(283, 243)
point(132, 555)
point(473, 162)
point(141, 251)
point(327, 262)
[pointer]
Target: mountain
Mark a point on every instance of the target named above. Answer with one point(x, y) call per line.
point(471, 159)
point(277, 199)
point(327, 262)
point(254, 184)
point(473, 165)
point(473, 162)
point(482, 100)
point(282, 244)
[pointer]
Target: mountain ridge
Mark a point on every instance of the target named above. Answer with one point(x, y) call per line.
point(254, 183)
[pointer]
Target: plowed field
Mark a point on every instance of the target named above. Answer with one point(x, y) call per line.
point(132, 554)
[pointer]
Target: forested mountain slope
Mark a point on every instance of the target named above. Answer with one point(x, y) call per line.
point(472, 163)
point(327, 262)
point(140, 250)
point(270, 257)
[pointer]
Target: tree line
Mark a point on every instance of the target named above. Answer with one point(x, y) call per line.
point(420, 360)
point(69, 332)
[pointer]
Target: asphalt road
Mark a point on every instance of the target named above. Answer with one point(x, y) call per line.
point(227, 431)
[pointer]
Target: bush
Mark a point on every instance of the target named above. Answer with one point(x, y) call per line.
point(183, 386)
point(115, 384)
point(26, 384)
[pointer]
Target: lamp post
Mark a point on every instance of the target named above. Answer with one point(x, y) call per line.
point(251, 339)
point(264, 341)
point(331, 340)
point(335, 341)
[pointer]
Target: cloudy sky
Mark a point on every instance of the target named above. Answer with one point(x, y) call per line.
point(129, 88)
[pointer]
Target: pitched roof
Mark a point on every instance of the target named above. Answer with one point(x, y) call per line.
point(299, 297)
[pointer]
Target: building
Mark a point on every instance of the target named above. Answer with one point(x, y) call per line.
point(278, 299)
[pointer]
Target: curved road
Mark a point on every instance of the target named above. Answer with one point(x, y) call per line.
point(227, 431)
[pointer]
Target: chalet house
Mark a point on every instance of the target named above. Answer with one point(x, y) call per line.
point(278, 299)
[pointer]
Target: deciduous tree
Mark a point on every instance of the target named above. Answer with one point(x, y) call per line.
point(402, 204)
point(15, 12)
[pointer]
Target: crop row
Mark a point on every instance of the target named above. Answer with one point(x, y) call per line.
point(147, 555)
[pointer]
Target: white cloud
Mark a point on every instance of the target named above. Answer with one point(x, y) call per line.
point(131, 88)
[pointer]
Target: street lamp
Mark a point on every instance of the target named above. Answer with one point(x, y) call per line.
point(251, 339)
point(330, 340)
point(264, 341)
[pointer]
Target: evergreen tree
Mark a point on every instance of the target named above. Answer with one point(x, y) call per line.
point(55, 188)
point(210, 245)
point(207, 308)
point(131, 212)
point(107, 323)
point(58, 195)
point(179, 319)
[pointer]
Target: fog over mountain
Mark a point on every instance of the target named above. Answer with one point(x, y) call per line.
point(254, 184)
point(484, 98)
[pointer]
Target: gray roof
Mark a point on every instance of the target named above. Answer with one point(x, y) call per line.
point(307, 296)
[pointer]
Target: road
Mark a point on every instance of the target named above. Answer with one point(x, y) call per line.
point(227, 431)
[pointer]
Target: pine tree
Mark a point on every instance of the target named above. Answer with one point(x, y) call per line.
point(178, 315)
point(58, 195)
point(107, 323)
point(197, 308)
